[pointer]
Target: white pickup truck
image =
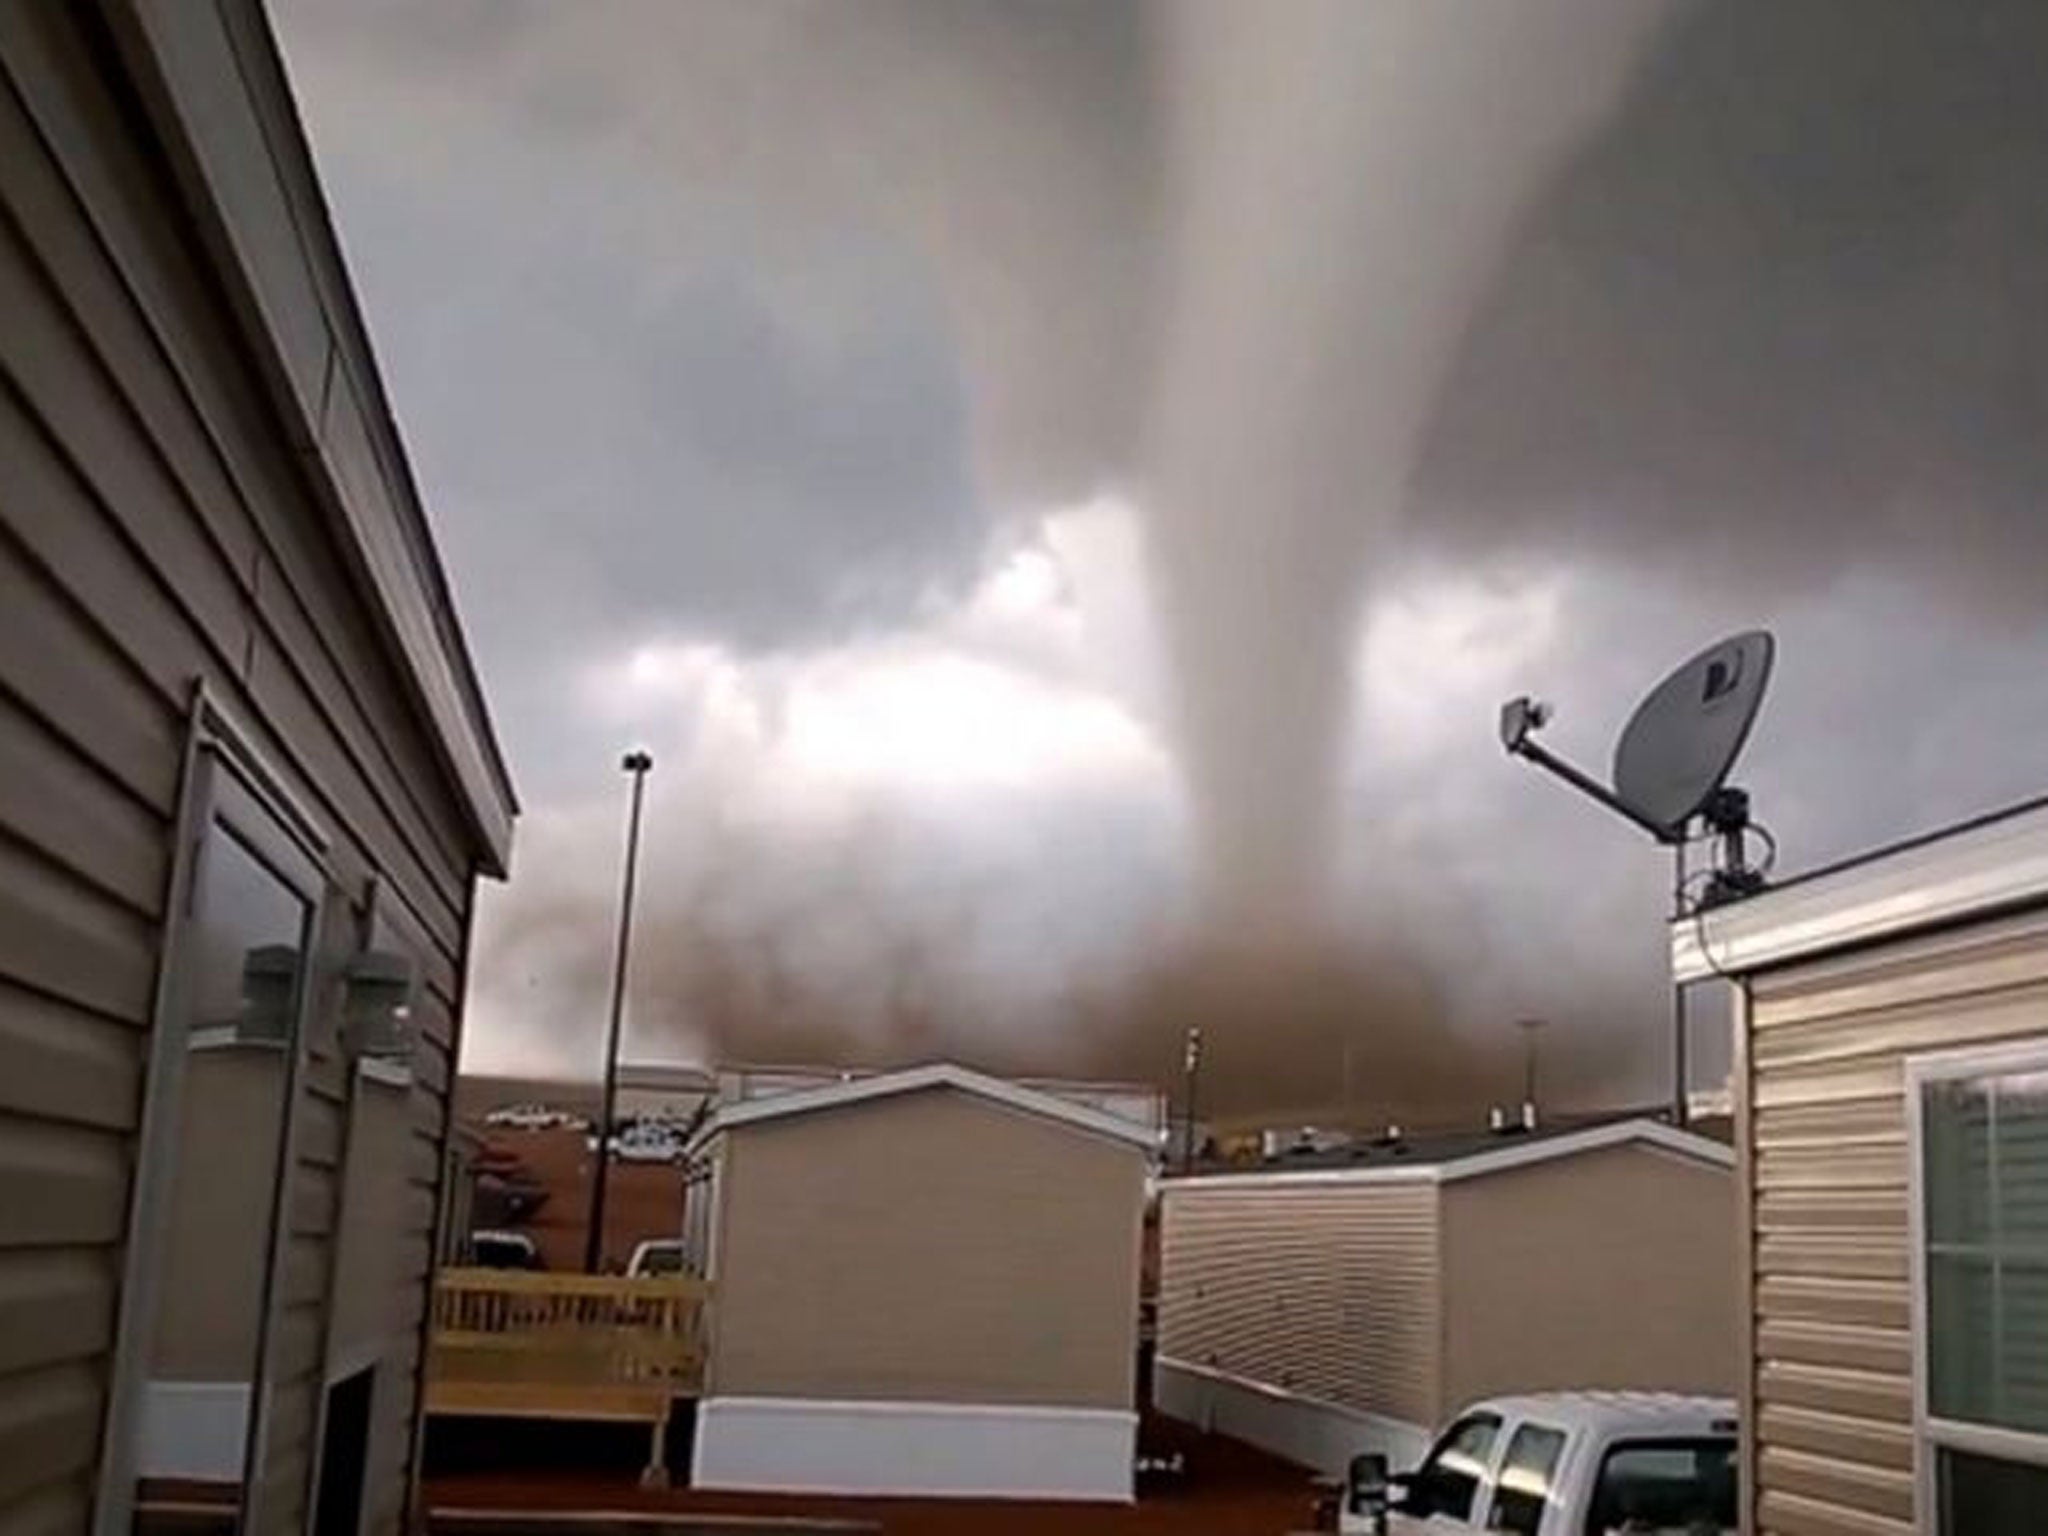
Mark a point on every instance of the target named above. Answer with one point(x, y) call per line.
point(1561, 1464)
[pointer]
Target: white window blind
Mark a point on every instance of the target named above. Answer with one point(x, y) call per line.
point(1984, 1170)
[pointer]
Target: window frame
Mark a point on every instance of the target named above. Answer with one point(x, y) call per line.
point(1629, 1441)
point(224, 779)
point(1483, 1484)
point(1552, 1477)
point(1931, 1434)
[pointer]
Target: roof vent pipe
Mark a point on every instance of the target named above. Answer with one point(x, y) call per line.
point(1528, 1114)
point(1496, 1119)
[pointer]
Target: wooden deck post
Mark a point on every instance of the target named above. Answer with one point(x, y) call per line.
point(656, 1475)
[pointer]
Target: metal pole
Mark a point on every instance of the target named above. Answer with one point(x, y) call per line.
point(637, 764)
point(1530, 1029)
point(1680, 1069)
point(1191, 1067)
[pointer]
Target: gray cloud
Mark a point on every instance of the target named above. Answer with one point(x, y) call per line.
point(1785, 316)
point(761, 322)
point(710, 285)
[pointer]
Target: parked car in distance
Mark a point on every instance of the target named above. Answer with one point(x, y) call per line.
point(504, 1250)
point(642, 1141)
point(658, 1256)
point(528, 1117)
point(1561, 1464)
point(647, 1149)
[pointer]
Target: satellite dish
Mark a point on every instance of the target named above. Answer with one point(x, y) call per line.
point(1678, 747)
point(1670, 769)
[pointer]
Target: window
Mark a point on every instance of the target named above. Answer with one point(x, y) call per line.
point(1449, 1480)
point(1982, 1494)
point(1525, 1474)
point(1980, 1126)
point(191, 1374)
point(246, 941)
point(1664, 1485)
point(247, 936)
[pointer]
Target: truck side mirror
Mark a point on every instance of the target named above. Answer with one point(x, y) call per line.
point(1365, 1488)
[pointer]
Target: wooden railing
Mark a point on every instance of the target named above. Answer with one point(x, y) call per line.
point(509, 1343)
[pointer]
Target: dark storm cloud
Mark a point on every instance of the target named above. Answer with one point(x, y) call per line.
point(1788, 314)
point(739, 472)
point(711, 286)
point(756, 321)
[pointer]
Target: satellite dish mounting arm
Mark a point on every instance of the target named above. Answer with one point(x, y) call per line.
point(1519, 721)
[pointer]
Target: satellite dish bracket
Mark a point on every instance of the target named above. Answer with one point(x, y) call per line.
point(1586, 784)
point(1727, 817)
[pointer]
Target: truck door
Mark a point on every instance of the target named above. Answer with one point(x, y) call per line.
point(1453, 1485)
point(1523, 1487)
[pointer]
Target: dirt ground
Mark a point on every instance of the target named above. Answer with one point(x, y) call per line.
point(642, 1199)
point(1229, 1489)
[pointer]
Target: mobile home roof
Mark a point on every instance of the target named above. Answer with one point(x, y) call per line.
point(1979, 869)
point(1472, 1160)
point(885, 1085)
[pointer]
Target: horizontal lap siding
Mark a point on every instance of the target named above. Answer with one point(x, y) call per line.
point(1829, 1225)
point(1329, 1291)
point(156, 528)
point(1610, 1268)
point(89, 751)
point(927, 1247)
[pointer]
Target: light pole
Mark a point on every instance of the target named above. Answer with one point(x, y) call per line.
point(1530, 1029)
point(637, 764)
point(1191, 1069)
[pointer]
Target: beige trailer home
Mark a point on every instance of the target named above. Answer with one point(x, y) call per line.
point(1320, 1311)
point(247, 786)
point(926, 1283)
point(1891, 1094)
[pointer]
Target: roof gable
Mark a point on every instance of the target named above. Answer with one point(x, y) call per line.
point(1509, 1155)
point(945, 1074)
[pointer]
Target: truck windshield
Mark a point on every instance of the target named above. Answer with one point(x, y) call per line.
point(1654, 1487)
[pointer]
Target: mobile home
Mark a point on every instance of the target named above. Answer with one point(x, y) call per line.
point(1891, 1099)
point(247, 787)
point(1347, 1302)
point(927, 1283)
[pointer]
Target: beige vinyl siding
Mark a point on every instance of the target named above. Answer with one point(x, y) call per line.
point(1612, 1268)
point(927, 1247)
point(156, 527)
point(1829, 1216)
point(366, 1265)
point(1326, 1290)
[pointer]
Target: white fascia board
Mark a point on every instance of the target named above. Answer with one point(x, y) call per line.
point(1621, 1133)
point(1515, 1154)
point(862, 1090)
point(1979, 869)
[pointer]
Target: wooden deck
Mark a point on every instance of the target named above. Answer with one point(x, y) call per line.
point(511, 1344)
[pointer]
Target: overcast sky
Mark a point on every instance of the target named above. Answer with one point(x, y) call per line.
point(1063, 487)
